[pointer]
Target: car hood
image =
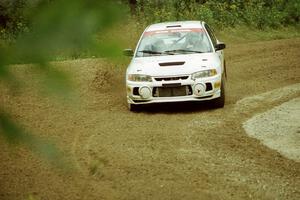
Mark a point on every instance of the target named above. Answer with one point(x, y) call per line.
point(172, 65)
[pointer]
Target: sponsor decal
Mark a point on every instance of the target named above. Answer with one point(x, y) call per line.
point(149, 33)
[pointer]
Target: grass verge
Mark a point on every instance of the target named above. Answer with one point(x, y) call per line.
point(247, 34)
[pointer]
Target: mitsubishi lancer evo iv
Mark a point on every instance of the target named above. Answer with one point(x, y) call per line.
point(176, 62)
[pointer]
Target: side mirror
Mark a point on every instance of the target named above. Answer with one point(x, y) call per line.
point(128, 52)
point(220, 46)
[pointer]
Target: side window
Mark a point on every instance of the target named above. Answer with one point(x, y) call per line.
point(211, 35)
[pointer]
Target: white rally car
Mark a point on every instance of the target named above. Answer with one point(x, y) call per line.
point(176, 62)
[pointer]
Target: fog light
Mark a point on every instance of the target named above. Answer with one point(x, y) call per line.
point(128, 89)
point(217, 84)
point(199, 89)
point(145, 92)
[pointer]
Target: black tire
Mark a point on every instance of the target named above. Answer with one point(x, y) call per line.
point(220, 101)
point(132, 107)
point(225, 71)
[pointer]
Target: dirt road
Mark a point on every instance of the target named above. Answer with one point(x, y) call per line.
point(169, 151)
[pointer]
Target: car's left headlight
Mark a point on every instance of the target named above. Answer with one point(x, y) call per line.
point(203, 74)
point(139, 78)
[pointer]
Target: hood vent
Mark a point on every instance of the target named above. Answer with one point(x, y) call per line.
point(170, 64)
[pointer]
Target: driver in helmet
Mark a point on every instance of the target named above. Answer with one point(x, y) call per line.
point(194, 42)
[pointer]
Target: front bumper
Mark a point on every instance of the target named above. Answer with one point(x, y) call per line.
point(209, 86)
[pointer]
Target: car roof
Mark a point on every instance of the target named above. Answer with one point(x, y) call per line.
point(175, 25)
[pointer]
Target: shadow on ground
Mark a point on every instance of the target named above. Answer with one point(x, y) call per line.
point(176, 107)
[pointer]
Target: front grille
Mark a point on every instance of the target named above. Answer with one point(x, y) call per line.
point(171, 78)
point(172, 91)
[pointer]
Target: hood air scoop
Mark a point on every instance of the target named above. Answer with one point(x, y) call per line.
point(170, 64)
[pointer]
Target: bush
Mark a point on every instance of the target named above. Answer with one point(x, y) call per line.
point(292, 9)
point(171, 10)
point(224, 14)
point(12, 18)
point(259, 14)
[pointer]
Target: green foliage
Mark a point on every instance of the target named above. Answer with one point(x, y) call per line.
point(61, 27)
point(53, 27)
point(259, 14)
point(172, 10)
point(292, 9)
point(12, 19)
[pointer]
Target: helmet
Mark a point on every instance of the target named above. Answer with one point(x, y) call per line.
point(194, 37)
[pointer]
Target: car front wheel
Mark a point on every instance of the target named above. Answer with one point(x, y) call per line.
point(220, 101)
point(132, 107)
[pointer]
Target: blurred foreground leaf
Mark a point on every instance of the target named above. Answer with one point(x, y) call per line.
point(17, 135)
point(57, 28)
point(62, 29)
point(65, 26)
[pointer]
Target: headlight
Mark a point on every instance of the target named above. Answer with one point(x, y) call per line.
point(139, 78)
point(205, 73)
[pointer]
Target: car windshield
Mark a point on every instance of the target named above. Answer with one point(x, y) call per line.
point(174, 42)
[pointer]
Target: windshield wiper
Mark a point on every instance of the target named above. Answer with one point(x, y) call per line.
point(151, 52)
point(182, 50)
point(156, 52)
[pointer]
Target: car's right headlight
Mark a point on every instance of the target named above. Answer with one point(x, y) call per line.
point(204, 73)
point(139, 78)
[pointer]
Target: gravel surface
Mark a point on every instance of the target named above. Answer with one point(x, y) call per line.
point(167, 151)
point(278, 128)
